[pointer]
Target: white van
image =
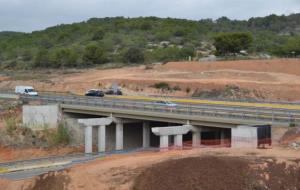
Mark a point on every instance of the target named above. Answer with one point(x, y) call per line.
point(26, 90)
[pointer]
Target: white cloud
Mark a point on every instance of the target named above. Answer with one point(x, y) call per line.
point(28, 15)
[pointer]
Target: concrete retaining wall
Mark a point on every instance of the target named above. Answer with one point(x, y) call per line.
point(41, 116)
point(244, 137)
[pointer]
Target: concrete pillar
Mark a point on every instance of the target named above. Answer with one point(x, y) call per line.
point(119, 136)
point(88, 133)
point(146, 135)
point(196, 139)
point(164, 141)
point(178, 140)
point(222, 136)
point(101, 138)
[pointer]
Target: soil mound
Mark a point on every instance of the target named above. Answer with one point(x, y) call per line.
point(214, 173)
point(51, 181)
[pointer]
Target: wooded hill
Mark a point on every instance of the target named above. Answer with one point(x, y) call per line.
point(150, 39)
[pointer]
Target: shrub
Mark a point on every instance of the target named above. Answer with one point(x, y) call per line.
point(60, 136)
point(162, 86)
point(188, 90)
point(10, 124)
point(134, 55)
point(176, 88)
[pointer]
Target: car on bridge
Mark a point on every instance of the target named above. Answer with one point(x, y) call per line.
point(95, 93)
point(165, 103)
point(111, 91)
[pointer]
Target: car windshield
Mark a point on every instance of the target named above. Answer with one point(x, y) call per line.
point(30, 90)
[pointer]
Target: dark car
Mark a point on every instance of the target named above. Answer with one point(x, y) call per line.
point(114, 92)
point(94, 92)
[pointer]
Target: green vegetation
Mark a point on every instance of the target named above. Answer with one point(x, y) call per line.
point(291, 48)
point(134, 55)
point(145, 40)
point(162, 86)
point(232, 43)
point(61, 136)
point(11, 124)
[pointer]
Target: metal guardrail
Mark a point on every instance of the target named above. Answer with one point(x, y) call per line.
point(255, 114)
point(240, 100)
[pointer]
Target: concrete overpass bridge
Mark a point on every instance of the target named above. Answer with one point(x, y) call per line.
point(195, 114)
point(178, 121)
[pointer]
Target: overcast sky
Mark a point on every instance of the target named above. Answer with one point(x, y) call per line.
point(29, 15)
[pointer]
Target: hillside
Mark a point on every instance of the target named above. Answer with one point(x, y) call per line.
point(103, 40)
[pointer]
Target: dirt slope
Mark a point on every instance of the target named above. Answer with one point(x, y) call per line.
point(265, 79)
point(120, 171)
point(212, 173)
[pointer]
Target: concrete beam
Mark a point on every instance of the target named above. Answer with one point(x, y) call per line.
point(176, 130)
point(88, 139)
point(146, 135)
point(102, 138)
point(119, 136)
point(96, 121)
point(124, 121)
point(163, 117)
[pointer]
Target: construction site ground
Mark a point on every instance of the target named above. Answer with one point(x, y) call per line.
point(277, 79)
point(207, 168)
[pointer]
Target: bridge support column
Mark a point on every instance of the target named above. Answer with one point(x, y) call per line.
point(178, 140)
point(164, 141)
point(196, 139)
point(222, 138)
point(196, 130)
point(146, 135)
point(101, 138)
point(88, 139)
point(119, 136)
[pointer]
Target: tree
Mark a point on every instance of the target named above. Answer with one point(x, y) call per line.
point(170, 54)
point(41, 59)
point(65, 58)
point(94, 55)
point(231, 43)
point(134, 55)
point(98, 35)
point(291, 48)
